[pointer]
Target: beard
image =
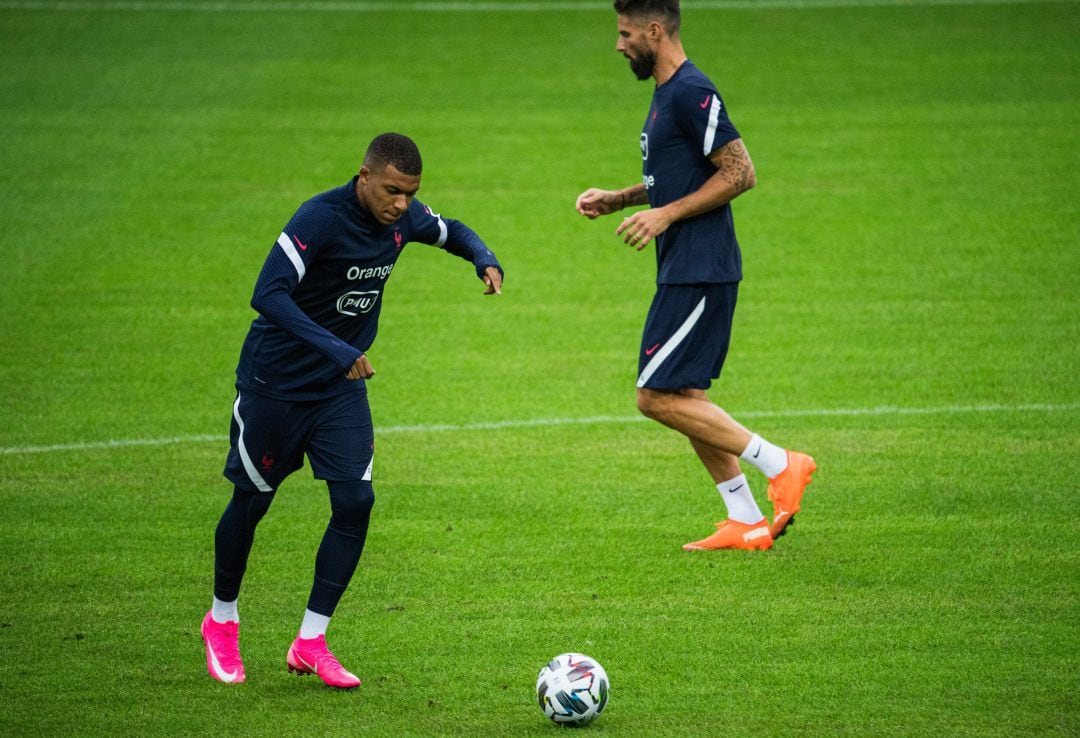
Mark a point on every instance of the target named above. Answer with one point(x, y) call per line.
point(643, 65)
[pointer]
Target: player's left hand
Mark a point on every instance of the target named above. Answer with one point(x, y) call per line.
point(643, 226)
point(493, 279)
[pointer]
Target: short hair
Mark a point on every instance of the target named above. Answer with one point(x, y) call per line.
point(665, 11)
point(396, 149)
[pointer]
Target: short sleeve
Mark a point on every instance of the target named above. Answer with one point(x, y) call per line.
point(702, 116)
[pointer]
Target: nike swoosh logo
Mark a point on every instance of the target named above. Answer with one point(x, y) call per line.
point(301, 244)
point(314, 667)
point(737, 488)
point(706, 103)
point(649, 352)
point(757, 452)
point(225, 676)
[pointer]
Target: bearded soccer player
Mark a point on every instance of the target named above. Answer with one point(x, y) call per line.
point(694, 165)
point(301, 385)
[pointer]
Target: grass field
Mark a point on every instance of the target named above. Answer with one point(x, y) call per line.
point(909, 316)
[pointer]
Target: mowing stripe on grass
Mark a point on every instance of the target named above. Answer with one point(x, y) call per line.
point(438, 6)
point(587, 420)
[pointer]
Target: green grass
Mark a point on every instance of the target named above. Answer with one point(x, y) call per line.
point(911, 244)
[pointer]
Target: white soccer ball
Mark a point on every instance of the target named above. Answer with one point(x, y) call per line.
point(572, 689)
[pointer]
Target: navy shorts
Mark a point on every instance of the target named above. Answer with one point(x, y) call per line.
point(686, 335)
point(269, 438)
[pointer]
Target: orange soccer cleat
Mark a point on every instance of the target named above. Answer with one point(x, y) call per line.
point(733, 534)
point(786, 490)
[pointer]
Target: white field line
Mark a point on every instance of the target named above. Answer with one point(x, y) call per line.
point(437, 6)
point(548, 422)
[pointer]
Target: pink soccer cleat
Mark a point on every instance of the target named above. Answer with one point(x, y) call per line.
point(223, 650)
point(311, 656)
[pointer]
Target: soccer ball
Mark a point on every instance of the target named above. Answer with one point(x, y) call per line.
point(572, 689)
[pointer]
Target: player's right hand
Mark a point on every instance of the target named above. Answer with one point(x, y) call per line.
point(593, 202)
point(361, 369)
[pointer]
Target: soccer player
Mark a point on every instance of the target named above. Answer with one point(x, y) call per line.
point(694, 165)
point(301, 385)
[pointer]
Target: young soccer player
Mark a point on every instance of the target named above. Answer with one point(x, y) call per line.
point(694, 165)
point(301, 385)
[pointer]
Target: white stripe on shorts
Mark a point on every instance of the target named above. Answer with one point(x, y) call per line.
point(249, 467)
point(287, 246)
point(367, 472)
point(672, 344)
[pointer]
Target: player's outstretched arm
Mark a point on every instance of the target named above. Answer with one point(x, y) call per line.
point(594, 202)
point(464, 242)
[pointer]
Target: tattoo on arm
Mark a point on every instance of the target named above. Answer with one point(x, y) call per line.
point(733, 162)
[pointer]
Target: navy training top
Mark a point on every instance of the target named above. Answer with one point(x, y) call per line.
point(688, 121)
point(319, 292)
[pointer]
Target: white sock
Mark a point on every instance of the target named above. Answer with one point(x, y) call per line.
point(770, 459)
point(741, 506)
point(314, 625)
point(223, 612)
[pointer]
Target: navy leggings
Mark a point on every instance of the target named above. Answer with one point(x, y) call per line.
point(335, 562)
